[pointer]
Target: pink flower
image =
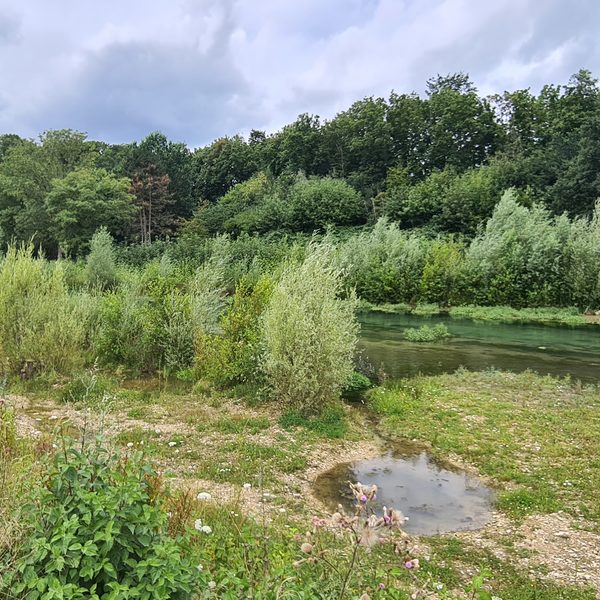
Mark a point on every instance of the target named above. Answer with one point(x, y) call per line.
point(363, 498)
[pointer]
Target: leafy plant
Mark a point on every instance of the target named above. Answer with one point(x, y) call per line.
point(425, 333)
point(96, 529)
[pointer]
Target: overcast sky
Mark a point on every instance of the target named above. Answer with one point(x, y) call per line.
point(200, 69)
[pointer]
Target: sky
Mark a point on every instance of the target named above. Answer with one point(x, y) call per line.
point(201, 69)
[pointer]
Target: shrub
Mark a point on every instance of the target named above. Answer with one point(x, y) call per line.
point(40, 322)
point(233, 355)
point(385, 264)
point(101, 267)
point(317, 202)
point(356, 387)
point(310, 334)
point(97, 530)
point(442, 272)
point(426, 333)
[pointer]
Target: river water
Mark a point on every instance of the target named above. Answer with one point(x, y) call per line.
point(555, 350)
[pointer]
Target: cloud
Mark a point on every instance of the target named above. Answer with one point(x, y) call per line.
point(199, 69)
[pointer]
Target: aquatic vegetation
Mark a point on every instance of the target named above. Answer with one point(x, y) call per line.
point(425, 333)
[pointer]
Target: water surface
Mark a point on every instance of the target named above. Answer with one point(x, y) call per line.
point(555, 350)
point(436, 499)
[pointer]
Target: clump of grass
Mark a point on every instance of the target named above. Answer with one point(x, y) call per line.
point(331, 423)
point(426, 333)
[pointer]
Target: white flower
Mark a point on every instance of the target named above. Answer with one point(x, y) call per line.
point(247, 486)
point(198, 524)
point(171, 444)
point(200, 568)
point(282, 510)
point(212, 585)
point(206, 529)
point(130, 444)
point(204, 496)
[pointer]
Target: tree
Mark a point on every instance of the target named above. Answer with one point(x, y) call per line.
point(461, 126)
point(85, 200)
point(26, 176)
point(153, 200)
point(359, 145)
point(223, 164)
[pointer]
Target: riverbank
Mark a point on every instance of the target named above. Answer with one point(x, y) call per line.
point(499, 314)
point(532, 438)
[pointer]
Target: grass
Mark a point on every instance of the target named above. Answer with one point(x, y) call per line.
point(500, 314)
point(536, 437)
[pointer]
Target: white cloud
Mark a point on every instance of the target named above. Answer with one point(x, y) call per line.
point(201, 68)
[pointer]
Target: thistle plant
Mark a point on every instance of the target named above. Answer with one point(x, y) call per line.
point(364, 531)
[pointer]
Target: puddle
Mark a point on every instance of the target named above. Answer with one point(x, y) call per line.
point(434, 498)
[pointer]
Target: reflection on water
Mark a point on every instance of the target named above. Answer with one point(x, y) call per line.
point(477, 346)
point(435, 499)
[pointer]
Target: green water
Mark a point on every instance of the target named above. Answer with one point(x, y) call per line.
point(477, 346)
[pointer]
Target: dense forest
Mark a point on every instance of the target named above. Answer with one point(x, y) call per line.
point(439, 162)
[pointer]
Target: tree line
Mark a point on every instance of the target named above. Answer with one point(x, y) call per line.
point(438, 161)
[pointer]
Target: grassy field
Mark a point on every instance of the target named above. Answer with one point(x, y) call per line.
point(534, 439)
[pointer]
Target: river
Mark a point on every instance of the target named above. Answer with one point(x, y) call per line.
point(475, 345)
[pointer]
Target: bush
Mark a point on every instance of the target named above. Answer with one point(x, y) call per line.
point(310, 334)
point(426, 333)
point(101, 268)
point(356, 387)
point(233, 355)
point(41, 324)
point(317, 202)
point(97, 530)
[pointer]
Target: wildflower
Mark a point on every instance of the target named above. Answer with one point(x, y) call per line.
point(382, 586)
point(212, 585)
point(130, 444)
point(200, 568)
point(171, 444)
point(412, 564)
point(363, 498)
point(198, 524)
point(206, 529)
point(282, 510)
point(247, 486)
point(306, 548)
point(203, 496)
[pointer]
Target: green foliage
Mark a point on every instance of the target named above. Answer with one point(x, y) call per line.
point(96, 529)
point(233, 355)
point(425, 333)
point(85, 200)
point(101, 267)
point(41, 323)
point(310, 334)
point(442, 273)
point(384, 264)
point(330, 423)
point(356, 387)
point(89, 388)
point(314, 203)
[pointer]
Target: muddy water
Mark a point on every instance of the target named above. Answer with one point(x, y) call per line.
point(559, 350)
point(434, 497)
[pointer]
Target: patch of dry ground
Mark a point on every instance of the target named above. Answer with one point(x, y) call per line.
point(554, 546)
